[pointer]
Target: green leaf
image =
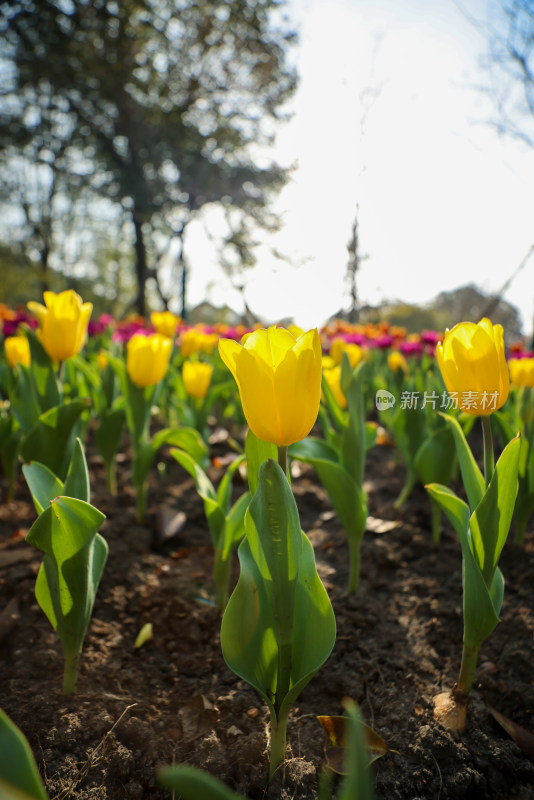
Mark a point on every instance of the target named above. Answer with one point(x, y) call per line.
point(43, 374)
point(10, 792)
point(472, 477)
point(480, 614)
point(279, 626)
point(52, 438)
point(203, 484)
point(234, 527)
point(42, 483)
point(359, 782)
point(524, 506)
point(89, 372)
point(454, 507)
point(72, 566)
point(224, 490)
point(214, 513)
point(19, 776)
point(525, 457)
point(23, 397)
point(490, 522)
point(338, 731)
point(416, 432)
point(108, 434)
point(505, 428)
point(77, 481)
point(193, 784)
point(10, 438)
point(338, 416)
point(188, 439)
point(436, 458)
point(496, 590)
point(312, 449)
point(45, 486)
point(256, 452)
point(345, 495)
point(353, 439)
point(139, 401)
point(371, 433)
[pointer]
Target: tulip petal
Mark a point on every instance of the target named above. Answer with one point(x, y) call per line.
point(39, 310)
point(270, 345)
point(229, 351)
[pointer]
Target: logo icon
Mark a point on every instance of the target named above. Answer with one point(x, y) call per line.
point(384, 400)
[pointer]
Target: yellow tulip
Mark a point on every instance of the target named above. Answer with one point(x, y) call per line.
point(522, 371)
point(196, 376)
point(165, 322)
point(17, 350)
point(279, 381)
point(327, 362)
point(397, 361)
point(196, 340)
point(333, 378)
point(147, 358)
point(63, 323)
point(473, 365)
point(340, 346)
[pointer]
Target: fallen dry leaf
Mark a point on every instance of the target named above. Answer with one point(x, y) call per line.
point(521, 736)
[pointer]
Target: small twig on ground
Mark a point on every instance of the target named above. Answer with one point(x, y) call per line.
point(440, 778)
point(84, 769)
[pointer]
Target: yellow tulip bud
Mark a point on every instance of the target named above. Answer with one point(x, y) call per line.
point(522, 371)
point(279, 381)
point(147, 358)
point(196, 376)
point(333, 378)
point(165, 322)
point(63, 323)
point(473, 365)
point(397, 361)
point(17, 350)
point(102, 360)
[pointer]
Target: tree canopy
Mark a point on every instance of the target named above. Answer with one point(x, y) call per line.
point(155, 108)
point(510, 64)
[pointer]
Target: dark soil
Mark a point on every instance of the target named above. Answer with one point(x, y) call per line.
point(174, 700)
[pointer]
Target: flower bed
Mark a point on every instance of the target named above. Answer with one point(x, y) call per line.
point(138, 483)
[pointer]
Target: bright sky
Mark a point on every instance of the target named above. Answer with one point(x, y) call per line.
point(442, 200)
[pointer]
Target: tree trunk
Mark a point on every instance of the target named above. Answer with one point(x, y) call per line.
point(44, 271)
point(183, 290)
point(140, 264)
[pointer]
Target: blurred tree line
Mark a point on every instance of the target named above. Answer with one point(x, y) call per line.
point(121, 121)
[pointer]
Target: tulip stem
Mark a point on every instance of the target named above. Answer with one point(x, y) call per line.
point(111, 477)
point(282, 458)
point(278, 742)
point(467, 668)
point(409, 483)
point(70, 674)
point(354, 564)
point(489, 460)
